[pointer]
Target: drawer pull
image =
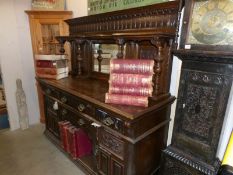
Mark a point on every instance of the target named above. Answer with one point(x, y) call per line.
point(108, 121)
point(48, 91)
point(81, 107)
point(55, 106)
point(81, 122)
point(64, 112)
point(63, 99)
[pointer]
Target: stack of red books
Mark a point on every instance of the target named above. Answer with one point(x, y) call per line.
point(74, 141)
point(130, 82)
point(51, 66)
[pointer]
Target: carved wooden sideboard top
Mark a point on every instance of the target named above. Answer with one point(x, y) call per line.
point(159, 18)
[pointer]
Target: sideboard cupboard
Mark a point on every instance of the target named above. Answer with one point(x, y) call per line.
point(125, 139)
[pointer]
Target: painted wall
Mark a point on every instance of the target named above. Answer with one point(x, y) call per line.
point(17, 62)
point(79, 7)
point(16, 58)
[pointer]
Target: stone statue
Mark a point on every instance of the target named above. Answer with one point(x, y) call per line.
point(21, 105)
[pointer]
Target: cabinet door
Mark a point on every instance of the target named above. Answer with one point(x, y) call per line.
point(46, 31)
point(108, 165)
point(103, 162)
point(51, 117)
point(116, 167)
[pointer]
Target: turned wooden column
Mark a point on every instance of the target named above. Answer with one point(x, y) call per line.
point(162, 66)
point(79, 58)
point(120, 43)
point(61, 42)
point(99, 58)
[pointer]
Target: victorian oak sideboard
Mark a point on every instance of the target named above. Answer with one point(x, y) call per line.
point(125, 139)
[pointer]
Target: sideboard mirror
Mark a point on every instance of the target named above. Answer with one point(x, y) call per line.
point(102, 54)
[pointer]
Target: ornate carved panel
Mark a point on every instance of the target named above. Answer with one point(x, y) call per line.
point(200, 111)
point(111, 143)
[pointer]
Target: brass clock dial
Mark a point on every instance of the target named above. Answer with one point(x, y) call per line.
point(212, 23)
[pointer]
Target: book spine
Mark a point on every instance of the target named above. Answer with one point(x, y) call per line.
point(56, 77)
point(74, 151)
point(50, 57)
point(138, 91)
point(70, 140)
point(61, 125)
point(51, 63)
point(84, 145)
point(135, 66)
point(126, 100)
point(66, 140)
point(51, 71)
point(130, 80)
point(43, 63)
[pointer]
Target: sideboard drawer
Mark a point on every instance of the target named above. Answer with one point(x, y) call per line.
point(111, 143)
point(78, 104)
point(50, 91)
point(75, 118)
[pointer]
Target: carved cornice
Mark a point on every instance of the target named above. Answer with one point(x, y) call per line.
point(157, 17)
point(193, 163)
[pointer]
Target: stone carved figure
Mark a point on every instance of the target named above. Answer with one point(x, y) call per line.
point(21, 105)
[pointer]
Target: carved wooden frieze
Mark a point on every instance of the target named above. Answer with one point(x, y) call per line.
point(157, 16)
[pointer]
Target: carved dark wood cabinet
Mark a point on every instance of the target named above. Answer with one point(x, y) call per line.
point(205, 84)
point(126, 140)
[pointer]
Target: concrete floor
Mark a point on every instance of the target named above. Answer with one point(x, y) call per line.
point(29, 152)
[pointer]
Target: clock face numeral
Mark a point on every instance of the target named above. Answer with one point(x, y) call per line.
point(212, 22)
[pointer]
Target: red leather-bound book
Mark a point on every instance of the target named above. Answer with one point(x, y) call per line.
point(83, 143)
point(51, 71)
point(66, 140)
point(124, 90)
point(130, 80)
point(61, 125)
point(56, 77)
point(129, 66)
point(51, 63)
point(72, 142)
point(126, 99)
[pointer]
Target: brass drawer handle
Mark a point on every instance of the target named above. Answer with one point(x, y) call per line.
point(64, 112)
point(108, 121)
point(55, 106)
point(81, 107)
point(48, 91)
point(64, 99)
point(81, 122)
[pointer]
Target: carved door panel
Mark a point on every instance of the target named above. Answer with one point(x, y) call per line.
point(51, 117)
point(116, 167)
point(103, 162)
point(200, 112)
point(108, 165)
point(52, 124)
